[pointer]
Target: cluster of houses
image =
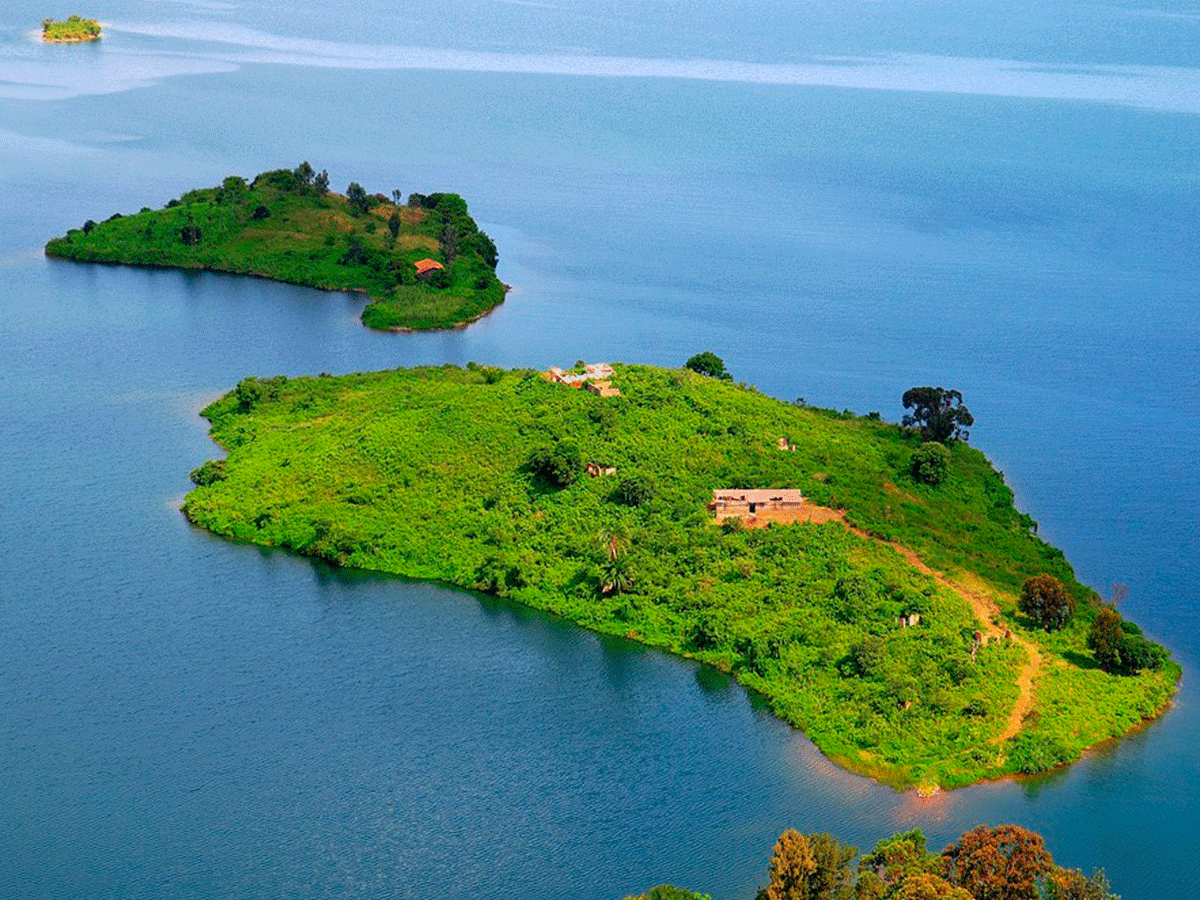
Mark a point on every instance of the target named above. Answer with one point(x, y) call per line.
point(594, 378)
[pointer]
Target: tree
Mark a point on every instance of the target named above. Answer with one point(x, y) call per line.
point(559, 465)
point(190, 234)
point(669, 892)
point(709, 364)
point(616, 574)
point(926, 886)
point(398, 196)
point(938, 413)
point(930, 463)
point(394, 224)
point(448, 243)
point(1072, 884)
point(304, 174)
point(260, 212)
point(357, 198)
point(88, 226)
point(1046, 600)
point(1105, 638)
point(792, 865)
point(1002, 863)
point(832, 879)
point(321, 183)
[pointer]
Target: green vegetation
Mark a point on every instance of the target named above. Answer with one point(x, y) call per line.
point(1002, 863)
point(70, 30)
point(708, 363)
point(475, 477)
point(937, 413)
point(1047, 602)
point(287, 225)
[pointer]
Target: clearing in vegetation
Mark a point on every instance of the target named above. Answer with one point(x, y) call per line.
point(886, 627)
point(288, 226)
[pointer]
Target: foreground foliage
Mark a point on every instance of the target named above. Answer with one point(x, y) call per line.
point(1002, 863)
point(474, 477)
point(73, 28)
point(287, 225)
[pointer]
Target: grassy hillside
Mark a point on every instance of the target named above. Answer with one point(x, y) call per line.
point(287, 226)
point(426, 473)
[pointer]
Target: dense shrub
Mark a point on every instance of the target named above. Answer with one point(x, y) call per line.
point(559, 465)
point(208, 473)
point(930, 464)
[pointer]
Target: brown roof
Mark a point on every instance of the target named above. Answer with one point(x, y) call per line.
point(762, 495)
point(427, 265)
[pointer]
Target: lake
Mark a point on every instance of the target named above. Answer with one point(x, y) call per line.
point(841, 199)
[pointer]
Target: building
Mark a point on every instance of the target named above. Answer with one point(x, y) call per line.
point(592, 372)
point(598, 471)
point(743, 502)
point(427, 266)
point(602, 389)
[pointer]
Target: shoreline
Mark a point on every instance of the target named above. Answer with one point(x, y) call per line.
point(361, 292)
point(879, 774)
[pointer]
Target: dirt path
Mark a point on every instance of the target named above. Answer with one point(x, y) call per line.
point(985, 608)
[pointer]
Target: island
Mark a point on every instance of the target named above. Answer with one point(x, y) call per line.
point(70, 31)
point(878, 589)
point(423, 263)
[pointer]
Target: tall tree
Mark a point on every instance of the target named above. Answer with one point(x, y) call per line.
point(938, 413)
point(305, 174)
point(792, 864)
point(1046, 600)
point(708, 363)
point(1002, 863)
point(321, 183)
point(357, 197)
point(1105, 639)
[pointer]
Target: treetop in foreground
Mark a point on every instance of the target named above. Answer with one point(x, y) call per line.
point(491, 479)
point(288, 226)
point(1007, 862)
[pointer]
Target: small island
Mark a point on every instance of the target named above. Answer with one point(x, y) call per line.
point(70, 31)
point(872, 581)
point(423, 262)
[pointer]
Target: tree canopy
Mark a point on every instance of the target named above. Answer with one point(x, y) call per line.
point(1046, 600)
point(708, 363)
point(938, 414)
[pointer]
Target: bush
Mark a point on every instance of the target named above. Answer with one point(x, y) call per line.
point(209, 473)
point(559, 465)
point(261, 212)
point(930, 464)
point(633, 491)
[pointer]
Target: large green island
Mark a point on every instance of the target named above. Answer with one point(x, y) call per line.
point(884, 613)
point(71, 30)
point(423, 263)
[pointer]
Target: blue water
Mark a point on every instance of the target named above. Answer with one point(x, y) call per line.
point(842, 200)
